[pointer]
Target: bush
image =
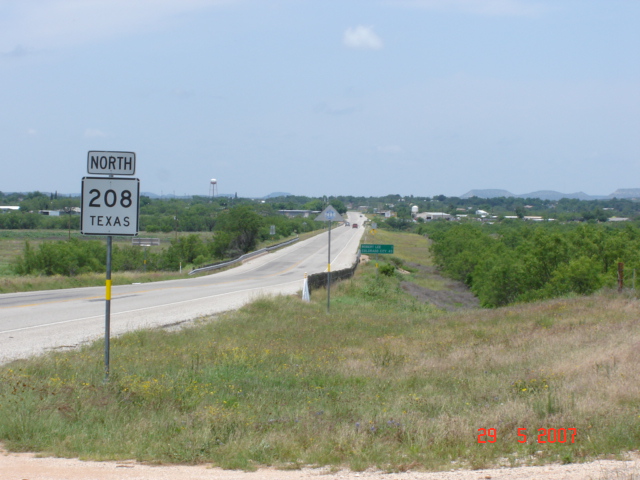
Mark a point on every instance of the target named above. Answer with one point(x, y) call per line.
point(519, 262)
point(387, 269)
point(68, 258)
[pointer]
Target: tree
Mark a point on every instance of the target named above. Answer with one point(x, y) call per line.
point(243, 223)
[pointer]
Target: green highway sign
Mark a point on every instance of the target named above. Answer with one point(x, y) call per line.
point(371, 248)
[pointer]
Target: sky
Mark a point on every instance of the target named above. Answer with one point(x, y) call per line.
point(323, 97)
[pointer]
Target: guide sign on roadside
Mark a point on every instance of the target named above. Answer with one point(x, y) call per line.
point(111, 163)
point(369, 248)
point(110, 206)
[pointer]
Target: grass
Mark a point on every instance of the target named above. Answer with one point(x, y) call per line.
point(12, 245)
point(411, 248)
point(382, 382)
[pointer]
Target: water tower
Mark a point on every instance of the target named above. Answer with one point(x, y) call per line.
point(213, 187)
point(414, 211)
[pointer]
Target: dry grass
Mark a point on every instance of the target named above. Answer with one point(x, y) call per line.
point(382, 382)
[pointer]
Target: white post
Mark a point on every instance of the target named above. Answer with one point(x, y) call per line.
point(305, 289)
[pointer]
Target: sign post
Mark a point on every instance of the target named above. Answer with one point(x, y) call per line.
point(145, 242)
point(110, 206)
point(329, 214)
point(369, 248)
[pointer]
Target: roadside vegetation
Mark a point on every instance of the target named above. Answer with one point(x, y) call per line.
point(518, 262)
point(384, 381)
point(35, 259)
point(46, 250)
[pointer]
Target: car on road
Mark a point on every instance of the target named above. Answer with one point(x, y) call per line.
point(355, 225)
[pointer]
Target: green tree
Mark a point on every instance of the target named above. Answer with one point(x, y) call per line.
point(243, 223)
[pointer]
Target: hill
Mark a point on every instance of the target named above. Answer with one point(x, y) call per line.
point(487, 193)
point(552, 194)
point(626, 193)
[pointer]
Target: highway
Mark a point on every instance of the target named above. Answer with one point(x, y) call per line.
point(34, 322)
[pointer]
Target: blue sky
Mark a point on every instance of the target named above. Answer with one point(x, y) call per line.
point(323, 97)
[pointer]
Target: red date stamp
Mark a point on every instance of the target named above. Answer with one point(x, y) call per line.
point(545, 435)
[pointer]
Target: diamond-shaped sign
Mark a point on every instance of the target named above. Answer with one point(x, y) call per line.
point(329, 214)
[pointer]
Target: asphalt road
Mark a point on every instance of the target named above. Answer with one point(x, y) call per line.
point(34, 322)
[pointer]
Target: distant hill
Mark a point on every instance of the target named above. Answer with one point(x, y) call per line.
point(551, 194)
point(626, 193)
point(488, 193)
point(278, 194)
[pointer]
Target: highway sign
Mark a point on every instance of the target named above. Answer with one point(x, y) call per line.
point(111, 163)
point(145, 242)
point(370, 248)
point(110, 206)
point(329, 214)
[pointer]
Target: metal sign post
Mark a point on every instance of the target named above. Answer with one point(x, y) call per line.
point(329, 214)
point(145, 242)
point(329, 271)
point(110, 206)
point(107, 311)
point(369, 248)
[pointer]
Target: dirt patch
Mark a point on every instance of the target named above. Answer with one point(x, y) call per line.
point(21, 466)
point(454, 296)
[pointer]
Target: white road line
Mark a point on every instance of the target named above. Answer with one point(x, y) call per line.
point(147, 308)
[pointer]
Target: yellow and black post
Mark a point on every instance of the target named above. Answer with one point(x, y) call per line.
point(107, 313)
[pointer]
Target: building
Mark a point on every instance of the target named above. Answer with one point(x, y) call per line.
point(298, 213)
point(6, 209)
point(428, 216)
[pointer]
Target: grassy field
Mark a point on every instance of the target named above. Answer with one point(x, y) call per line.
point(382, 382)
point(411, 249)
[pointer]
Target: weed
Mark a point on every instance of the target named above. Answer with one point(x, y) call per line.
point(381, 382)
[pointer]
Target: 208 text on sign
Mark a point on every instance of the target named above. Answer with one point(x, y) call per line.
point(110, 206)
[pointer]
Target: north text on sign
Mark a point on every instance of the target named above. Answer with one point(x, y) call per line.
point(111, 163)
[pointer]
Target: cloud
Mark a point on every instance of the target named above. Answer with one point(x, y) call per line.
point(94, 133)
point(362, 37)
point(514, 8)
point(47, 24)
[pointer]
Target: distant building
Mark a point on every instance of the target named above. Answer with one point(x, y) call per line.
point(9, 209)
point(428, 216)
point(297, 213)
point(617, 219)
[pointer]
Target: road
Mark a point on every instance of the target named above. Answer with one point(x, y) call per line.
point(34, 322)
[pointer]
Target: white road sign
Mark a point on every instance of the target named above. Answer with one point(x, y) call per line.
point(111, 163)
point(329, 214)
point(110, 206)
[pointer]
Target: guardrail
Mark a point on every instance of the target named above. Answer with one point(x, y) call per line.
point(319, 280)
point(246, 256)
